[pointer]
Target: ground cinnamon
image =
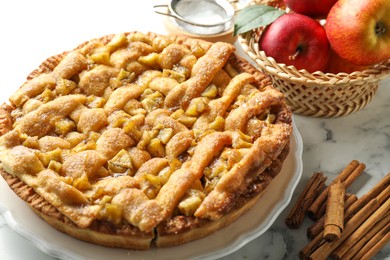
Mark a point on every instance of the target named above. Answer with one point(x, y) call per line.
point(313, 187)
point(334, 216)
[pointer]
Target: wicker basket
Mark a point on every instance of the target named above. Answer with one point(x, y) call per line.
point(316, 94)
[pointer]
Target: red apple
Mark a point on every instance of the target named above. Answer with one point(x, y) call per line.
point(337, 64)
point(359, 30)
point(298, 40)
point(312, 8)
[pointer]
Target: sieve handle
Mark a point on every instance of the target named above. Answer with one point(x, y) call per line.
point(167, 12)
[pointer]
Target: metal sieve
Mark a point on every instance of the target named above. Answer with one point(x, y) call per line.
point(204, 17)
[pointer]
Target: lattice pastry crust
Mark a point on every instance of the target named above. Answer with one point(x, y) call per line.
point(134, 139)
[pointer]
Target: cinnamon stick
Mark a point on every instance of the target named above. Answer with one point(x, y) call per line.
point(318, 226)
point(347, 182)
point(318, 242)
point(353, 170)
point(357, 210)
point(356, 235)
point(313, 187)
point(320, 212)
point(383, 224)
point(369, 215)
point(374, 245)
point(334, 217)
point(374, 192)
point(315, 243)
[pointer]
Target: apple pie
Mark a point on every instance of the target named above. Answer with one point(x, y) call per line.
point(137, 140)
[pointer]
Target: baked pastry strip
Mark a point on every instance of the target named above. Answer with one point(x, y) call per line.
point(201, 76)
point(192, 170)
point(263, 152)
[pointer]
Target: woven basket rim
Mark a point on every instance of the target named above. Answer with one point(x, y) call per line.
point(318, 78)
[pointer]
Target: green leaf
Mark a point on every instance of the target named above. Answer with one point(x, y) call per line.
point(255, 16)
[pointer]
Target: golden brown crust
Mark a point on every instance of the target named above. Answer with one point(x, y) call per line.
point(5, 119)
point(180, 229)
point(241, 188)
point(100, 232)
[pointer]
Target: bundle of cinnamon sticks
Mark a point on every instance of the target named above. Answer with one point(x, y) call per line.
point(346, 227)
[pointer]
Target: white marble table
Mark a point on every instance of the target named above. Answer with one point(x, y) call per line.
point(33, 30)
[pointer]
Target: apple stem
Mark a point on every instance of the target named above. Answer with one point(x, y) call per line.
point(380, 28)
point(295, 55)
